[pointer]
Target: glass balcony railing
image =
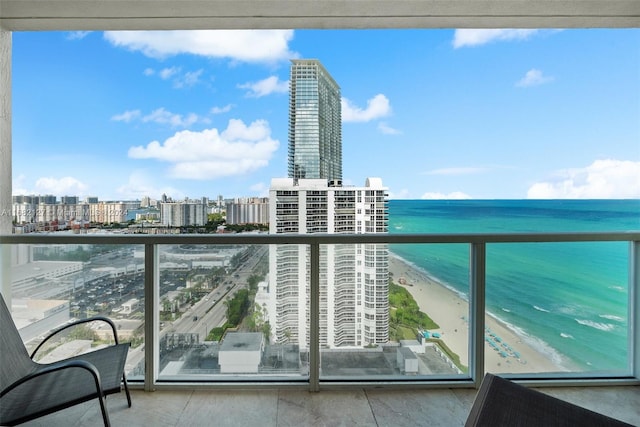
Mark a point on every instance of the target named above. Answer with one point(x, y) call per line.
point(322, 310)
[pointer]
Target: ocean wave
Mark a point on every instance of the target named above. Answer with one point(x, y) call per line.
point(506, 310)
point(563, 335)
point(612, 317)
point(617, 288)
point(606, 327)
point(541, 309)
point(567, 309)
point(557, 358)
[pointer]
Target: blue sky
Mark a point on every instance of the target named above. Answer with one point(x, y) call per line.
point(482, 114)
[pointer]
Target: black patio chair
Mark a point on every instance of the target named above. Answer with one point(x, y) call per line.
point(29, 389)
point(501, 402)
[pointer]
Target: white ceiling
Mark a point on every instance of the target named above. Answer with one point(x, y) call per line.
point(21, 15)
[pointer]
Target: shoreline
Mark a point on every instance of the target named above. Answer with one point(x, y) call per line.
point(505, 351)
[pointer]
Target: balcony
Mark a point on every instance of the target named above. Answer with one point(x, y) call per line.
point(196, 398)
point(171, 302)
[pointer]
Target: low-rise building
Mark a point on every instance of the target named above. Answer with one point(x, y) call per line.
point(241, 353)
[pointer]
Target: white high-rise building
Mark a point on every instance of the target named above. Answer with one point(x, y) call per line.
point(251, 210)
point(181, 214)
point(354, 279)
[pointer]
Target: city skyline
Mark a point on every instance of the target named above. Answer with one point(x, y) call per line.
point(438, 113)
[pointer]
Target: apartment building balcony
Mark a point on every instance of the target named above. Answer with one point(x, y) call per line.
point(280, 395)
point(124, 268)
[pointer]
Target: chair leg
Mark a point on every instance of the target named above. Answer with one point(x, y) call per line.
point(103, 408)
point(126, 389)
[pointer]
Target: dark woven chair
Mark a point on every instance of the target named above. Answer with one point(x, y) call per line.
point(30, 390)
point(501, 402)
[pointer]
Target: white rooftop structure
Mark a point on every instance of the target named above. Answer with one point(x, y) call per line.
point(241, 353)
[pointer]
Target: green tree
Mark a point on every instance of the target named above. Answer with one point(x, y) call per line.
point(237, 307)
point(253, 281)
point(405, 310)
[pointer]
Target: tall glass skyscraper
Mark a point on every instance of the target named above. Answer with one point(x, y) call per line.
point(315, 123)
point(354, 279)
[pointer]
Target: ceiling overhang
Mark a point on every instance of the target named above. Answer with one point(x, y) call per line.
point(67, 15)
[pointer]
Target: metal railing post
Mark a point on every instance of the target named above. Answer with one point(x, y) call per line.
point(477, 273)
point(151, 316)
point(634, 307)
point(314, 320)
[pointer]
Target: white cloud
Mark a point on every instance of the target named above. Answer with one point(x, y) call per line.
point(18, 185)
point(162, 116)
point(377, 107)
point(167, 73)
point(402, 194)
point(179, 78)
point(603, 179)
point(77, 35)
point(238, 150)
point(127, 116)
point(60, 186)
point(220, 110)
point(388, 130)
point(533, 78)
point(261, 189)
point(238, 45)
point(477, 37)
point(190, 78)
point(141, 184)
point(456, 195)
point(265, 87)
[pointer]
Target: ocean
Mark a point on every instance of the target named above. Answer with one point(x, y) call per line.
point(569, 300)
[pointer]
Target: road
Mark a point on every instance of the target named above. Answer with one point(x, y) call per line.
point(210, 311)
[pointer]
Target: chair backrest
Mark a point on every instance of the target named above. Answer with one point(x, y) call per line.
point(16, 362)
point(501, 402)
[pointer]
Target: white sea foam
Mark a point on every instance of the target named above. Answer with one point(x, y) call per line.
point(506, 310)
point(596, 325)
point(541, 309)
point(617, 288)
point(567, 309)
point(563, 335)
point(612, 317)
point(538, 344)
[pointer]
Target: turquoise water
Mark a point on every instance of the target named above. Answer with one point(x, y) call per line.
point(568, 299)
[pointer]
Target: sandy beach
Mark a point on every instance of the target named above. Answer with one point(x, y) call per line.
point(505, 351)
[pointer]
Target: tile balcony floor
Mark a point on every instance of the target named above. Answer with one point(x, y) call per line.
point(289, 407)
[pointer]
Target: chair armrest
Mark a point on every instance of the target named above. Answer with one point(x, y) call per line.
point(76, 323)
point(58, 366)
